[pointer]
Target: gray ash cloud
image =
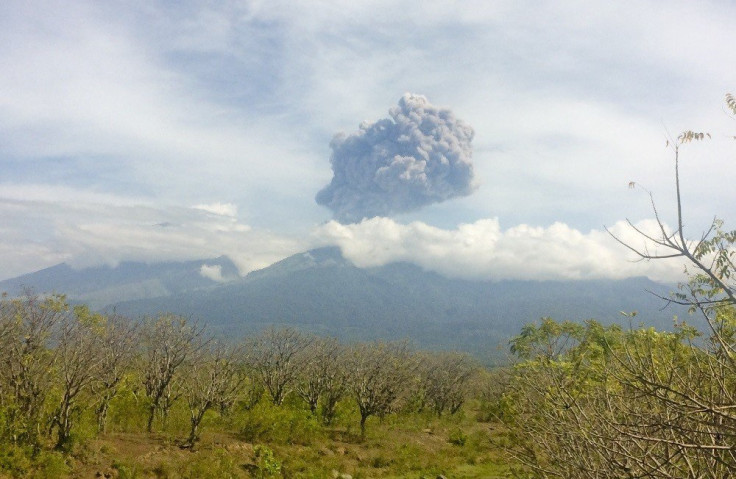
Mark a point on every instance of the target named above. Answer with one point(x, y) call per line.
point(421, 155)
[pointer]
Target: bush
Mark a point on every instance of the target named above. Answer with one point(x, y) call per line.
point(281, 425)
point(266, 463)
point(51, 465)
point(125, 471)
point(458, 437)
point(14, 461)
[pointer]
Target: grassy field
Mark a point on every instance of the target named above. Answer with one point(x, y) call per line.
point(270, 441)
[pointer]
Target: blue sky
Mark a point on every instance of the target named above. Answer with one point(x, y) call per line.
point(144, 130)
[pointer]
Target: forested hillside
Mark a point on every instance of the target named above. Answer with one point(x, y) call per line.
point(319, 291)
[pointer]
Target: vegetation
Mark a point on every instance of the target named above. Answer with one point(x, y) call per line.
point(593, 401)
point(85, 394)
point(82, 393)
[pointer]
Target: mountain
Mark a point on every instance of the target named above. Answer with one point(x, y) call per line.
point(322, 292)
point(105, 285)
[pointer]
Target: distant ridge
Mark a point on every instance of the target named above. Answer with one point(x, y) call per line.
point(104, 285)
point(321, 291)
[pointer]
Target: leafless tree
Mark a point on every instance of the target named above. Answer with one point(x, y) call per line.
point(710, 258)
point(445, 379)
point(27, 359)
point(211, 379)
point(79, 358)
point(378, 376)
point(274, 356)
point(322, 376)
point(119, 340)
point(168, 341)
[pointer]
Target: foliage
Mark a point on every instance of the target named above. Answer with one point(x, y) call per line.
point(266, 463)
point(215, 464)
point(601, 402)
point(280, 425)
point(85, 359)
point(638, 402)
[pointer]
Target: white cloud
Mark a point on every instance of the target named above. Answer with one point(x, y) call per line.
point(482, 250)
point(37, 234)
point(213, 272)
point(222, 209)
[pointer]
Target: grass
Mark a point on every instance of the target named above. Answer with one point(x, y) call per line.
point(287, 442)
point(269, 441)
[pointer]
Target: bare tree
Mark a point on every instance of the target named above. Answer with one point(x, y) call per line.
point(211, 379)
point(168, 341)
point(322, 376)
point(119, 343)
point(445, 379)
point(27, 359)
point(378, 375)
point(274, 356)
point(710, 258)
point(79, 359)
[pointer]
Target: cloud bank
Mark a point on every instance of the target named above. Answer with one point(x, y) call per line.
point(482, 250)
point(43, 229)
point(419, 156)
point(39, 232)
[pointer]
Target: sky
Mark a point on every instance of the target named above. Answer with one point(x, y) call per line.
point(480, 139)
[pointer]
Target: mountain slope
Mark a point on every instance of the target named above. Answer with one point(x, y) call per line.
point(322, 292)
point(104, 285)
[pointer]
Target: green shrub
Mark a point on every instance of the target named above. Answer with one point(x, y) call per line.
point(14, 461)
point(281, 425)
point(51, 465)
point(125, 471)
point(266, 463)
point(458, 437)
point(380, 461)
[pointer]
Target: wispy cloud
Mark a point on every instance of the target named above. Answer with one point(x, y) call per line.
point(39, 234)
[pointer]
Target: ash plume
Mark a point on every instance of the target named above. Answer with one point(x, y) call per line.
point(419, 156)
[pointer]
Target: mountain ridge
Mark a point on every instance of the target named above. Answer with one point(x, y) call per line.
point(322, 292)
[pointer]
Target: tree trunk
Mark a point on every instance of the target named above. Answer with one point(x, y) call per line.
point(195, 420)
point(64, 421)
point(151, 413)
point(363, 418)
point(102, 415)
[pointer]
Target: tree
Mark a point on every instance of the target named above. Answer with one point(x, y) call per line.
point(444, 380)
point(710, 259)
point(29, 326)
point(640, 403)
point(322, 376)
point(275, 357)
point(79, 353)
point(378, 374)
point(212, 378)
point(168, 341)
point(118, 338)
